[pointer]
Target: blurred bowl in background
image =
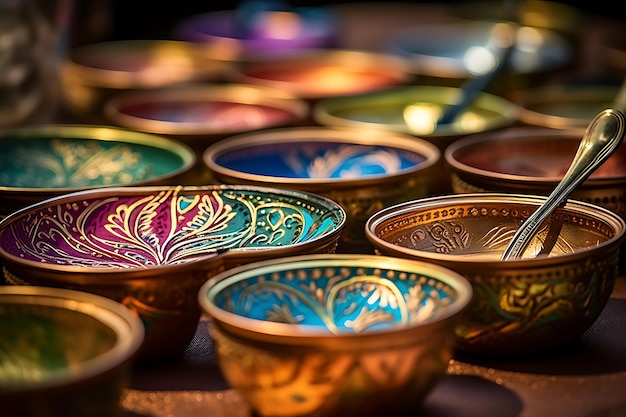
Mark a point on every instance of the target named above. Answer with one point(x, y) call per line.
point(314, 74)
point(40, 162)
point(362, 170)
point(93, 73)
point(525, 306)
point(414, 110)
point(564, 106)
point(151, 248)
point(64, 353)
point(334, 335)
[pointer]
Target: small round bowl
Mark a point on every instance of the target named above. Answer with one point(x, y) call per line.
point(363, 171)
point(531, 305)
point(334, 335)
point(41, 162)
point(564, 107)
point(533, 160)
point(64, 353)
point(439, 51)
point(248, 32)
point(93, 73)
point(314, 74)
point(151, 248)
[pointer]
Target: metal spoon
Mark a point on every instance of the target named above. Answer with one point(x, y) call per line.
point(603, 135)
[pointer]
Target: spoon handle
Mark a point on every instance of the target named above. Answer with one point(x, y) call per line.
point(602, 136)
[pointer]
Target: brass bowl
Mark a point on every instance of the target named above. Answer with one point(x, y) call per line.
point(313, 74)
point(525, 306)
point(362, 170)
point(41, 162)
point(413, 110)
point(93, 73)
point(64, 353)
point(532, 160)
point(151, 248)
point(334, 335)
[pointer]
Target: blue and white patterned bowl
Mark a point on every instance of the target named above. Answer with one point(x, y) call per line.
point(334, 334)
point(152, 247)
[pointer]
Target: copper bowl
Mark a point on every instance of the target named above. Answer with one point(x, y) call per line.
point(535, 304)
point(41, 162)
point(93, 73)
point(151, 248)
point(64, 353)
point(335, 335)
point(362, 170)
point(532, 160)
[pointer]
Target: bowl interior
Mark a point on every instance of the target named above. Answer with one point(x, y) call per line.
point(130, 228)
point(320, 157)
point(336, 295)
point(87, 157)
point(477, 227)
point(414, 110)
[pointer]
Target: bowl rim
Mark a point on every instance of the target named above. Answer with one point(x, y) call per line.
point(323, 109)
point(235, 93)
point(517, 135)
point(320, 134)
point(113, 276)
point(100, 133)
point(295, 334)
point(399, 210)
point(127, 326)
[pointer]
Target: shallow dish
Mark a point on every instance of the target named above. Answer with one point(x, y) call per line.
point(362, 170)
point(541, 302)
point(313, 74)
point(93, 73)
point(45, 161)
point(64, 352)
point(334, 335)
point(152, 247)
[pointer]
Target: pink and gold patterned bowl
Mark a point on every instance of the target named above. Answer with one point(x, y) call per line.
point(151, 248)
point(542, 301)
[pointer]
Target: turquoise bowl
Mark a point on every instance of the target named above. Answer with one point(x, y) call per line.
point(45, 161)
point(334, 334)
point(64, 353)
point(151, 248)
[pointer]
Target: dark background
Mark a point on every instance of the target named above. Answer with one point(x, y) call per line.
point(150, 19)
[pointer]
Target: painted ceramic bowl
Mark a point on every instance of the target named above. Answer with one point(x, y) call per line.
point(413, 110)
point(314, 74)
point(64, 352)
point(444, 52)
point(535, 304)
point(532, 160)
point(363, 171)
point(334, 335)
point(564, 106)
point(151, 248)
point(92, 73)
point(45, 161)
point(261, 28)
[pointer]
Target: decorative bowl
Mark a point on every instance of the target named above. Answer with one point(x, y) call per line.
point(93, 73)
point(253, 30)
point(313, 74)
point(535, 304)
point(334, 335)
point(440, 52)
point(362, 170)
point(64, 353)
point(413, 110)
point(532, 160)
point(151, 248)
point(44, 161)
